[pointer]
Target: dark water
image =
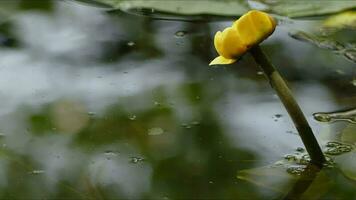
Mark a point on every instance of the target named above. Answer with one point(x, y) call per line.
point(98, 105)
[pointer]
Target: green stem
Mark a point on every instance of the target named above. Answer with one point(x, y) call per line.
point(285, 95)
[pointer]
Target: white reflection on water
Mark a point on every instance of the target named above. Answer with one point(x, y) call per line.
point(46, 70)
point(251, 124)
point(58, 63)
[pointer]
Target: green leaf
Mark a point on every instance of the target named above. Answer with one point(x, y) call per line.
point(303, 8)
point(182, 7)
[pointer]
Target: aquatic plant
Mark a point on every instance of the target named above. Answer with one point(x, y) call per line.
point(244, 36)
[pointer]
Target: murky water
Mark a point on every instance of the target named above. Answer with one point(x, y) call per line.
point(114, 105)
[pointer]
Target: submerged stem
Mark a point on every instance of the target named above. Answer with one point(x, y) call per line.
point(285, 95)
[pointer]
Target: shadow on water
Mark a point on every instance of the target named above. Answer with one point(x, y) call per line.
point(303, 182)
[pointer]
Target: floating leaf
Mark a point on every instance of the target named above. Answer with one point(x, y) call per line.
point(342, 20)
point(307, 8)
point(348, 51)
point(213, 7)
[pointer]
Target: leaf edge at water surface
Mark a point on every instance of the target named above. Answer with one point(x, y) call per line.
point(182, 7)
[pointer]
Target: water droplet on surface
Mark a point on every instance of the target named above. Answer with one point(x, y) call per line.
point(156, 103)
point(131, 43)
point(180, 34)
point(300, 149)
point(91, 113)
point(353, 82)
point(111, 153)
point(195, 123)
point(211, 182)
point(278, 115)
point(155, 131)
point(132, 117)
point(37, 172)
point(136, 160)
point(259, 73)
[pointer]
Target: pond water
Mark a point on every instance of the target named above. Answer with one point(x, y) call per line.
point(111, 105)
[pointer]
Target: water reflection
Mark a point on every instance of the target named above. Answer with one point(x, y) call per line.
point(304, 182)
point(98, 105)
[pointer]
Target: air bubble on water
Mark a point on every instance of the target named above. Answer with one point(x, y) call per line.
point(180, 34)
point(155, 131)
point(136, 160)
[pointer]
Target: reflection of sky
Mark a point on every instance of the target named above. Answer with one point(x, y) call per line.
point(49, 69)
point(252, 123)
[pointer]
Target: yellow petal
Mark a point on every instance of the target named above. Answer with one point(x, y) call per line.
point(254, 27)
point(263, 23)
point(222, 61)
point(232, 45)
point(246, 30)
point(218, 42)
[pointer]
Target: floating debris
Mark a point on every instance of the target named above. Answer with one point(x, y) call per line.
point(300, 149)
point(190, 125)
point(296, 170)
point(290, 157)
point(136, 160)
point(337, 148)
point(348, 115)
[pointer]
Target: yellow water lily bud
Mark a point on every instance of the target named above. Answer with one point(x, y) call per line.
point(249, 30)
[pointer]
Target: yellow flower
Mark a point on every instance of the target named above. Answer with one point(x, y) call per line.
point(249, 30)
